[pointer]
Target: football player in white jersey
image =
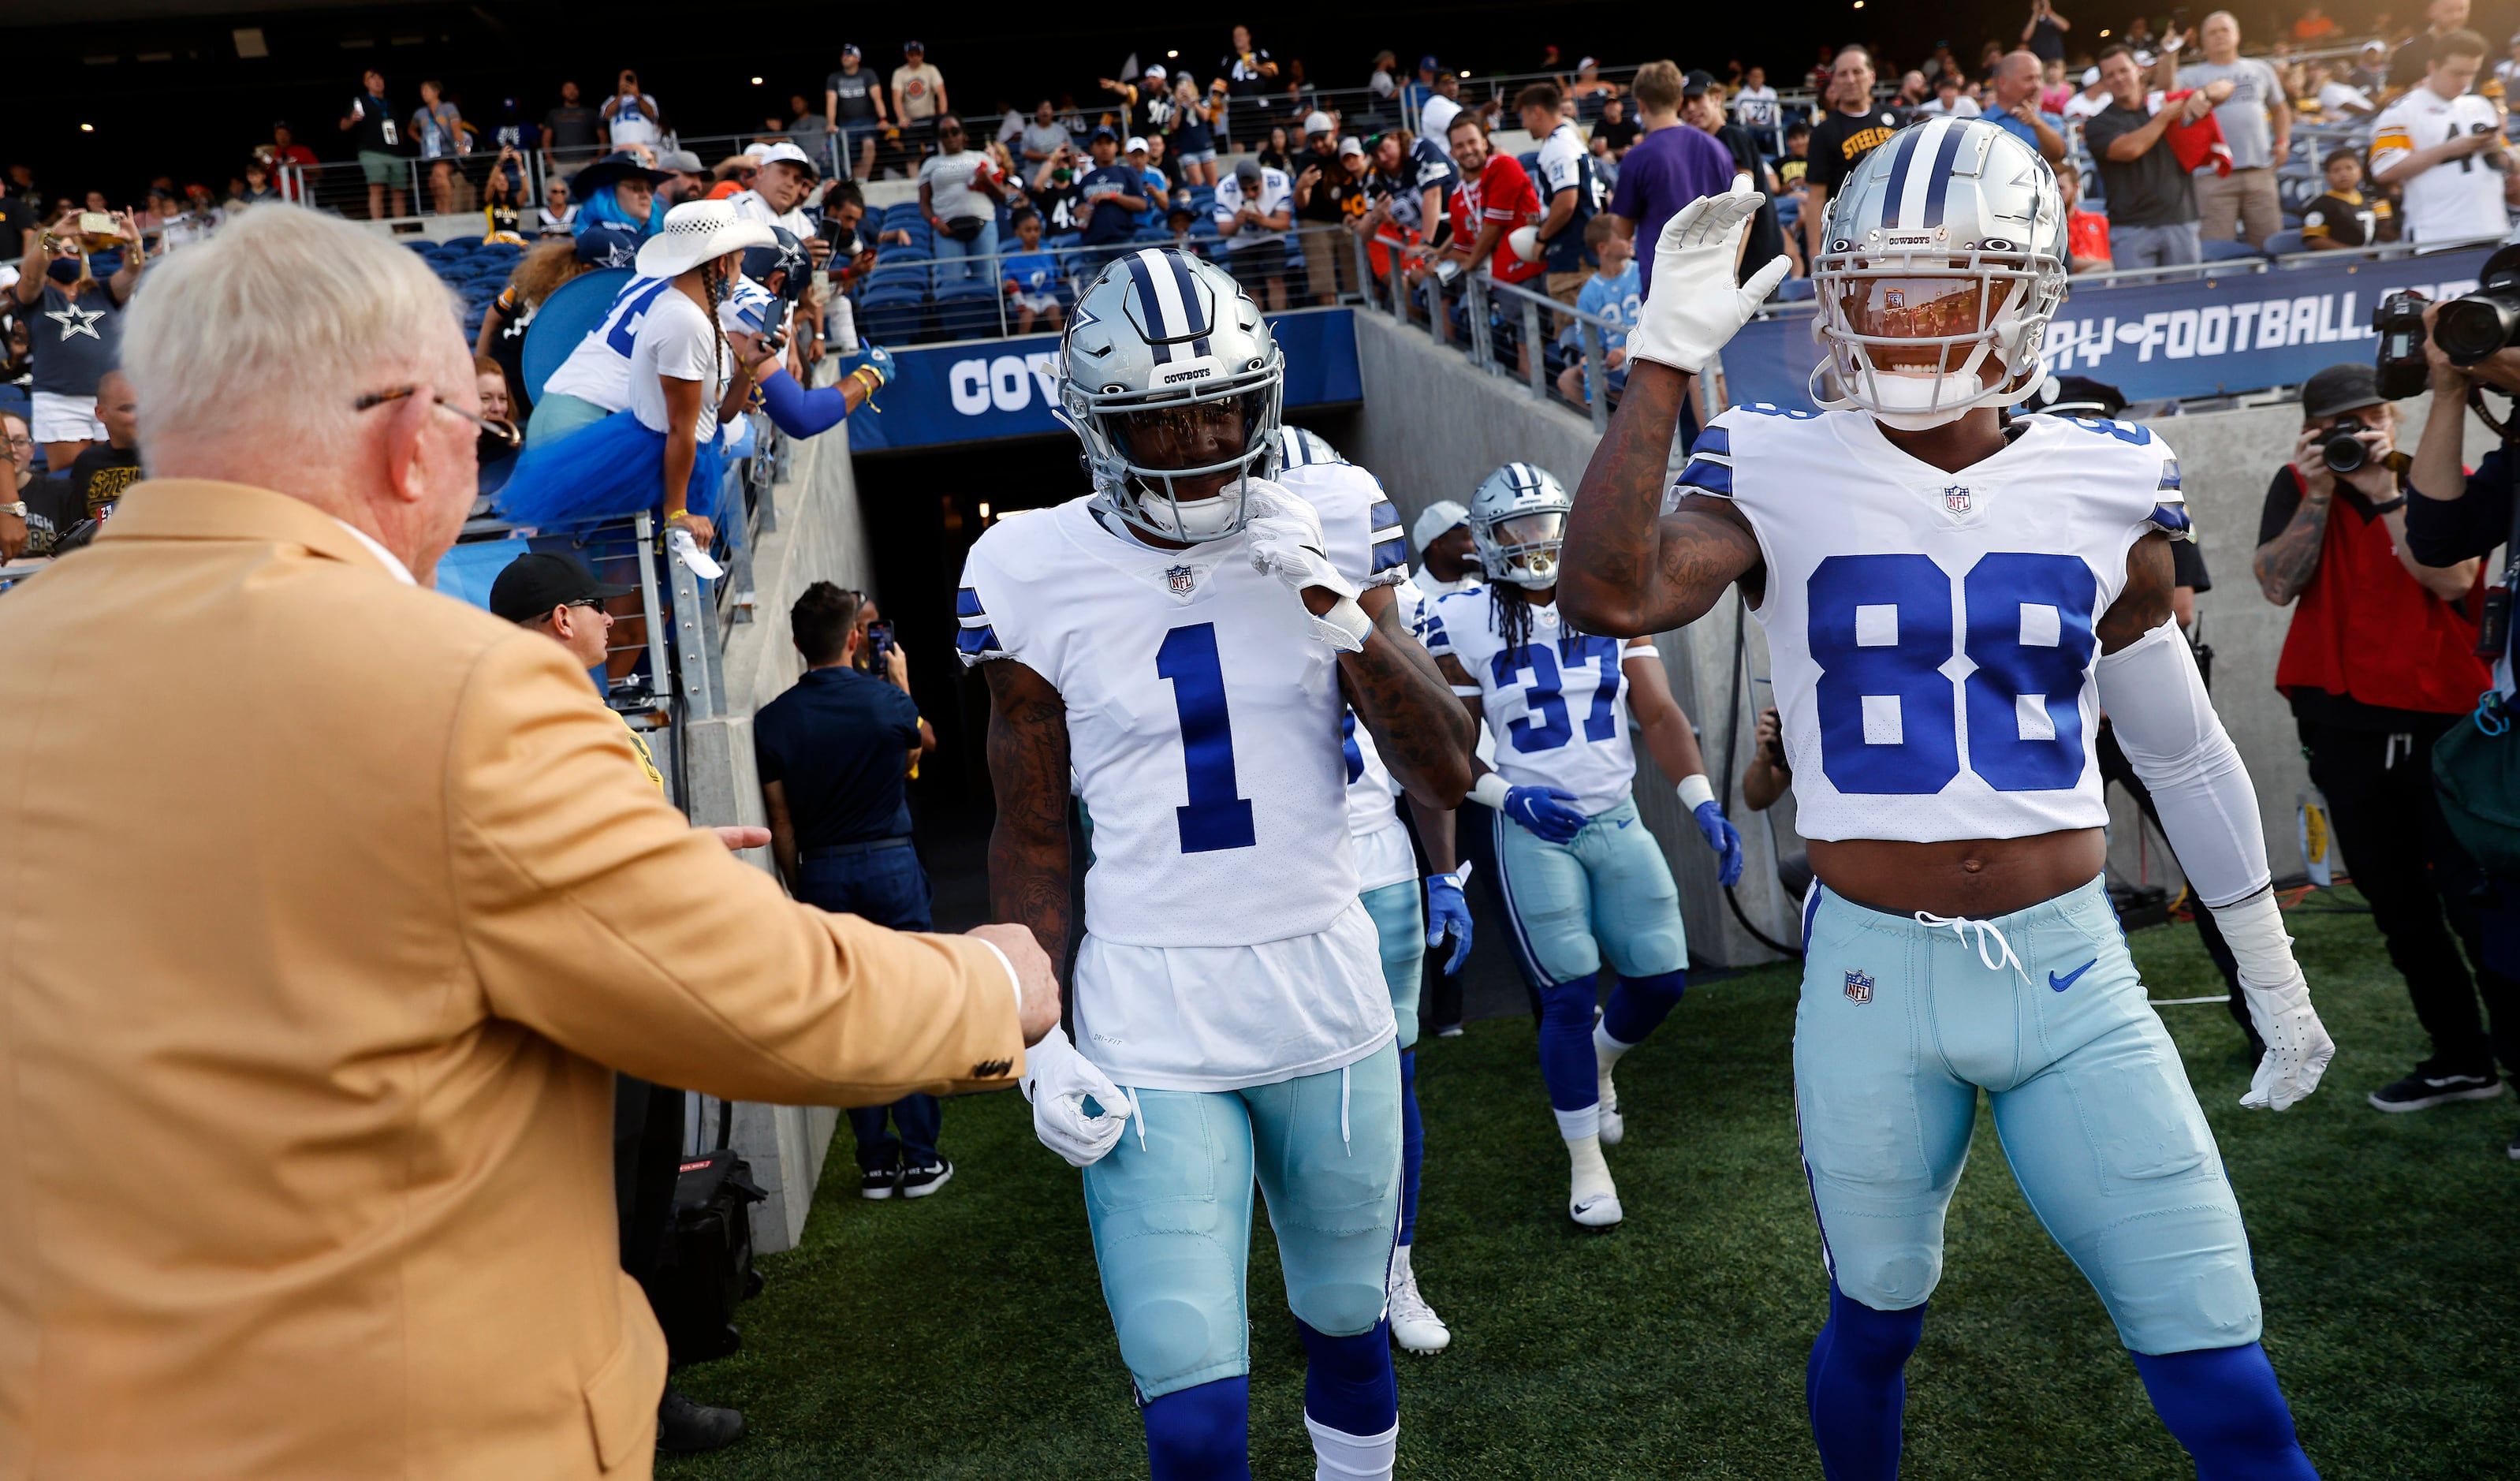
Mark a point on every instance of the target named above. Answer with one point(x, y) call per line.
point(1949, 598)
point(1182, 641)
point(1579, 876)
point(1386, 861)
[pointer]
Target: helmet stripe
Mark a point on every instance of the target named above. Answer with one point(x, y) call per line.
point(1939, 188)
point(1158, 326)
point(1894, 193)
point(1193, 316)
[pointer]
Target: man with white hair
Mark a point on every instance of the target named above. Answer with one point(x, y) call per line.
point(309, 1120)
point(2256, 124)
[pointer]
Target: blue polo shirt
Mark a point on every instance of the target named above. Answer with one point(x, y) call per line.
point(839, 743)
point(2013, 126)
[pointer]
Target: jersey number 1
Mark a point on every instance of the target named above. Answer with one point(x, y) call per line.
point(1881, 633)
point(1215, 817)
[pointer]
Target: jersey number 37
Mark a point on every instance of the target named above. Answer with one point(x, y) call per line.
point(1881, 633)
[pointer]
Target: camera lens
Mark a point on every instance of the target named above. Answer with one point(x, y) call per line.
point(2471, 329)
point(2343, 452)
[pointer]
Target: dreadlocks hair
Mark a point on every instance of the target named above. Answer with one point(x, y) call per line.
point(1512, 612)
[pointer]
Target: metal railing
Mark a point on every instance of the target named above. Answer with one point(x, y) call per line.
point(1502, 327)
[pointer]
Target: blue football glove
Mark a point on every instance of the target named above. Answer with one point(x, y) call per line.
point(1448, 914)
point(1720, 838)
point(878, 359)
point(1545, 811)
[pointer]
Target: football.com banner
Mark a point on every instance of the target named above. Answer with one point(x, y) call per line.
point(986, 390)
point(2204, 337)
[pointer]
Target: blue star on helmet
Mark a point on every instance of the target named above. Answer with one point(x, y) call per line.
point(75, 320)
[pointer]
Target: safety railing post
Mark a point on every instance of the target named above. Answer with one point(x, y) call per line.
point(660, 672)
point(1531, 348)
point(1474, 303)
point(1596, 374)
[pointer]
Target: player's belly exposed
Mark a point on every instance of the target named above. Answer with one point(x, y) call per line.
point(1978, 877)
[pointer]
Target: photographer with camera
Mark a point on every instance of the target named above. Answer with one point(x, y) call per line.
point(2378, 664)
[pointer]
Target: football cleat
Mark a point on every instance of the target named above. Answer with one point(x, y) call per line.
point(1414, 1324)
point(1591, 1198)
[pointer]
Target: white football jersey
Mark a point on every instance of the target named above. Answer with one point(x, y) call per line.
point(1557, 706)
point(1365, 543)
point(598, 369)
point(1418, 597)
point(1930, 632)
point(2456, 199)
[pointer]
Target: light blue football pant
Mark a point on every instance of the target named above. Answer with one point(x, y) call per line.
point(1606, 889)
point(1170, 1209)
point(1901, 1025)
point(1400, 920)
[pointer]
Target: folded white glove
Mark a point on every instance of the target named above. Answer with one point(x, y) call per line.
point(1285, 540)
point(2271, 984)
point(1057, 1081)
point(1694, 309)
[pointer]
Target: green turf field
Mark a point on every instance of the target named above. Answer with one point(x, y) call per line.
point(964, 1336)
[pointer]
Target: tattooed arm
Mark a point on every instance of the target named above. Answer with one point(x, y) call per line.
point(2145, 602)
point(1628, 569)
point(1404, 700)
point(2285, 564)
point(1028, 859)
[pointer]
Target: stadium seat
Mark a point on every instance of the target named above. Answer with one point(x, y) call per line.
point(2225, 251)
point(895, 315)
point(2284, 243)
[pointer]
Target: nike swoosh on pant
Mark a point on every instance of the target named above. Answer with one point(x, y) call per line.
point(2060, 984)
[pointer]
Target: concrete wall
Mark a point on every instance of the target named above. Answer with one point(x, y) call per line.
point(1433, 425)
point(820, 537)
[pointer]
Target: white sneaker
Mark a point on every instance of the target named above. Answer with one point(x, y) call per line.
point(1591, 1198)
point(1414, 1324)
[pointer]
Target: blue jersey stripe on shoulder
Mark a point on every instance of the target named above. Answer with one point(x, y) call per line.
point(2171, 519)
point(972, 641)
point(1714, 439)
point(1388, 553)
point(1707, 477)
point(2170, 473)
point(1382, 514)
point(1430, 632)
point(967, 604)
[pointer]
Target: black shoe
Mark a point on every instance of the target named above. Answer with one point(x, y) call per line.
point(685, 1428)
point(919, 1181)
point(879, 1182)
point(2428, 1087)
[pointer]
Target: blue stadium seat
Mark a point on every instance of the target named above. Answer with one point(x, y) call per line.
point(893, 315)
point(2282, 243)
point(2226, 252)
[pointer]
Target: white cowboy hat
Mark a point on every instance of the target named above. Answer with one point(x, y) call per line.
point(698, 232)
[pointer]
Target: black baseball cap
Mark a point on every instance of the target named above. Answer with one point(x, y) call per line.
point(536, 582)
point(2340, 388)
point(1695, 85)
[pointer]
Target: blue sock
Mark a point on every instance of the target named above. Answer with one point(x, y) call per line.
point(1566, 1064)
point(2222, 1403)
point(1857, 1387)
point(1203, 1433)
point(1638, 1004)
point(1348, 1385)
point(1412, 1146)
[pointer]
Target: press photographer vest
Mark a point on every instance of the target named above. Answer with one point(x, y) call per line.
point(2367, 630)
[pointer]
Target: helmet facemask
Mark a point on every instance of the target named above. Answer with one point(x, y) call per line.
point(1190, 464)
point(1521, 548)
point(1919, 338)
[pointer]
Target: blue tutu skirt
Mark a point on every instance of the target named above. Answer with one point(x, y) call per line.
point(608, 469)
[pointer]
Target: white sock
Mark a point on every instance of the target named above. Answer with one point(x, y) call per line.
point(1606, 1050)
point(1400, 1265)
point(1584, 1125)
point(1338, 1455)
point(1591, 1172)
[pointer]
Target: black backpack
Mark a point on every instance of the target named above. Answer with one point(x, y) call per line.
point(708, 1265)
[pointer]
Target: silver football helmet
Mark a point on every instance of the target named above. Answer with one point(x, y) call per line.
point(1164, 361)
point(1302, 447)
point(1517, 522)
point(1940, 262)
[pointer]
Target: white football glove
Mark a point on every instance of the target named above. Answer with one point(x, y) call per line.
point(1057, 1081)
point(1287, 542)
point(2298, 1046)
point(1694, 309)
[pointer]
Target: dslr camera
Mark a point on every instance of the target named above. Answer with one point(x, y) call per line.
point(2470, 330)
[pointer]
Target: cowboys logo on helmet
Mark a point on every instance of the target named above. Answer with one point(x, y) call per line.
point(1517, 522)
point(1942, 259)
point(1172, 380)
point(784, 255)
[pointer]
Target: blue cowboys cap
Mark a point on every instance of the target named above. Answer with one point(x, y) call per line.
point(606, 245)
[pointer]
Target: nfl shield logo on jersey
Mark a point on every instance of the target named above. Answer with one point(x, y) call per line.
point(1181, 579)
point(1956, 499)
point(1858, 987)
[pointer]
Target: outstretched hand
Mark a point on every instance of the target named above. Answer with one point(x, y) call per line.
point(1694, 309)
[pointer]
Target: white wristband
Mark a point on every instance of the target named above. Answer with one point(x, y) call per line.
point(1489, 790)
point(1344, 627)
point(1458, 876)
point(1695, 793)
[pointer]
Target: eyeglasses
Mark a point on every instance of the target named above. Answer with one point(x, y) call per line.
point(505, 431)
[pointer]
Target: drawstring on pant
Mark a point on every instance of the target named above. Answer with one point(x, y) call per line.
point(1137, 1116)
point(1962, 925)
point(1343, 1136)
